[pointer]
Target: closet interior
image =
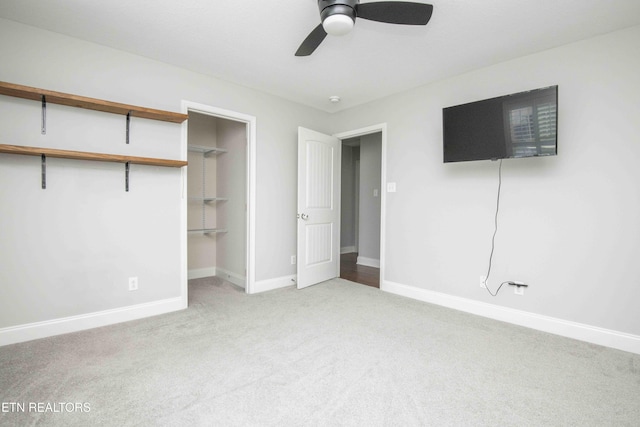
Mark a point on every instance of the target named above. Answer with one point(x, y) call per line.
point(217, 195)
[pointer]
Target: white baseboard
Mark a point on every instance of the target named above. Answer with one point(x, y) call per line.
point(369, 262)
point(348, 250)
point(229, 276)
point(65, 325)
point(199, 273)
point(271, 284)
point(565, 328)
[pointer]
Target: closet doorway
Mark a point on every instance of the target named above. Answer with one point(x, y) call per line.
point(220, 177)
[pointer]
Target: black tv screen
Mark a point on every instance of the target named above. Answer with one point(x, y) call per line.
point(519, 125)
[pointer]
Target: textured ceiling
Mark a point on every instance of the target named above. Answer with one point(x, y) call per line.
point(252, 42)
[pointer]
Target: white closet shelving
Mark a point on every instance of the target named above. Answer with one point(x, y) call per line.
point(204, 199)
point(206, 151)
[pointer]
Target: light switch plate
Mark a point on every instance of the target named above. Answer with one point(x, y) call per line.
point(391, 187)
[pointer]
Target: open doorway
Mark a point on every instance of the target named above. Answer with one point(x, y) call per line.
point(220, 203)
point(216, 217)
point(319, 204)
point(361, 207)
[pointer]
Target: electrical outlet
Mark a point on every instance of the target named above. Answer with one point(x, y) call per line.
point(519, 290)
point(293, 259)
point(133, 283)
point(483, 282)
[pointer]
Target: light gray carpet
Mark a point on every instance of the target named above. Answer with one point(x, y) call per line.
point(334, 354)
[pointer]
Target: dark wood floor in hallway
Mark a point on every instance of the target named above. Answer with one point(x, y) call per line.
point(349, 270)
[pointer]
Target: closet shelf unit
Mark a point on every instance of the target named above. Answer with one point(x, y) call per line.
point(48, 96)
point(207, 231)
point(206, 152)
point(208, 199)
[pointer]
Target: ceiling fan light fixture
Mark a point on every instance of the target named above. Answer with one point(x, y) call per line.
point(338, 17)
point(338, 24)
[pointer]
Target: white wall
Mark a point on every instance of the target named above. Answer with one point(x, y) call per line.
point(348, 198)
point(66, 251)
point(231, 183)
point(568, 224)
point(369, 221)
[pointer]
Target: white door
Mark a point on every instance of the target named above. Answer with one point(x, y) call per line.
point(319, 163)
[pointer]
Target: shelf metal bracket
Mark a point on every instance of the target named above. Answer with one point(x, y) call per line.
point(128, 125)
point(44, 115)
point(126, 176)
point(44, 172)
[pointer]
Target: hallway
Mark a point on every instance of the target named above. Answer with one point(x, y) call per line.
point(364, 275)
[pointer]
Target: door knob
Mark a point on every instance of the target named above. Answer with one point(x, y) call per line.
point(304, 216)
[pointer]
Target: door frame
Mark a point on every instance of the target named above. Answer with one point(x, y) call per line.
point(250, 122)
point(382, 129)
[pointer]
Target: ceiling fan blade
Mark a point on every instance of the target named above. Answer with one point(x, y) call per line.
point(312, 41)
point(396, 12)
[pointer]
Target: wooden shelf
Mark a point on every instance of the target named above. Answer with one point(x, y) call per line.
point(36, 94)
point(81, 155)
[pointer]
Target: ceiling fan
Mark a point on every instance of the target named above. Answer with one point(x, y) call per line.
point(339, 16)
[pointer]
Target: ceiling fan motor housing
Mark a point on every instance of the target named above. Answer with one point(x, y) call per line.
point(337, 7)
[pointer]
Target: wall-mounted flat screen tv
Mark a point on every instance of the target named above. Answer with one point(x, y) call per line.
point(519, 125)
